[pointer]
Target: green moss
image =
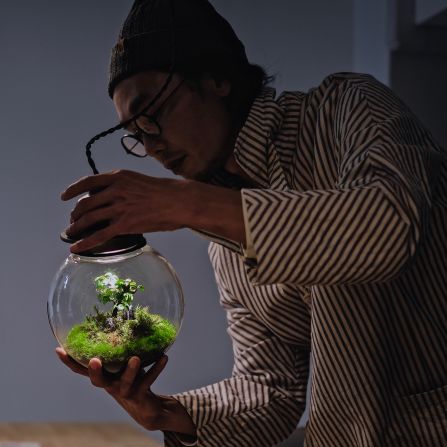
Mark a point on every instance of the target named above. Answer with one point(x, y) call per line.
point(146, 336)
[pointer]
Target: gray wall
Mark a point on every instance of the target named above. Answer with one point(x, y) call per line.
point(418, 63)
point(373, 36)
point(53, 98)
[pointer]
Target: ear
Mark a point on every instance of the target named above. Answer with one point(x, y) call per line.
point(219, 87)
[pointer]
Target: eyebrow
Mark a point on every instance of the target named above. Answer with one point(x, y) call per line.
point(136, 103)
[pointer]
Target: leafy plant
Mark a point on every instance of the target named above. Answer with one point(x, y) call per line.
point(120, 292)
point(116, 335)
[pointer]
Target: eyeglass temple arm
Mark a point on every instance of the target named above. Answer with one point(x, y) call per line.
point(88, 152)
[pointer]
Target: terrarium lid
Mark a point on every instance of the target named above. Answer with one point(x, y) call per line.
point(119, 245)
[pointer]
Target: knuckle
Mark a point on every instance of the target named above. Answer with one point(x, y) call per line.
point(116, 180)
point(77, 211)
point(120, 172)
point(107, 232)
point(121, 209)
point(124, 394)
point(125, 388)
point(84, 220)
point(95, 383)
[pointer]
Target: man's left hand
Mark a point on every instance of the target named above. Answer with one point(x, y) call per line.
point(130, 203)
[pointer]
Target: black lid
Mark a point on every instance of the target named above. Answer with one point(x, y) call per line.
point(119, 245)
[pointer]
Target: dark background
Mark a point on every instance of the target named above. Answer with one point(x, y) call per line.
point(53, 76)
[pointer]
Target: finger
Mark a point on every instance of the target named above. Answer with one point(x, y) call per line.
point(71, 363)
point(86, 184)
point(128, 377)
point(151, 376)
point(79, 200)
point(95, 373)
point(89, 219)
point(91, 202)
point(96, 239)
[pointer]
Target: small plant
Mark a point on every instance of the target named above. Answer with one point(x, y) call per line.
point(117, 335)
point(120, 292)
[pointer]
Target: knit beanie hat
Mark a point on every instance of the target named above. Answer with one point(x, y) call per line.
point(167, 34)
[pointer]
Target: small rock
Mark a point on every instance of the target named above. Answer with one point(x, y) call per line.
point(110, 323)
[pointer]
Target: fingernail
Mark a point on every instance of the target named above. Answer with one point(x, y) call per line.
point(94, 365)
point(134, 362)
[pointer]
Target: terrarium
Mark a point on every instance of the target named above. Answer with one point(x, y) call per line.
point(115, 303)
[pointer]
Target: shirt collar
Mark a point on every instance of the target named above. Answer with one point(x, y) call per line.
point(251, 149)
point(254, 139)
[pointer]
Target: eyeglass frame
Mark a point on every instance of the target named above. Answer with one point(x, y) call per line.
point(152, 118)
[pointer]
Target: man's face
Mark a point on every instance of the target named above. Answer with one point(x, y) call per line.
point(196, 127)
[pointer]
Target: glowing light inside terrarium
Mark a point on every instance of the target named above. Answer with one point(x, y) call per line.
point(110, 280)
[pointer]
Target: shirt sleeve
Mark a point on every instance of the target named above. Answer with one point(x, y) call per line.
point(368, 226)
point(262, 402)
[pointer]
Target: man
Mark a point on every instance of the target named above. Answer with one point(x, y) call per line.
point(327, 216)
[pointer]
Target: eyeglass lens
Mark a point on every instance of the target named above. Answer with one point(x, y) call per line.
point(147, 127)
point(133, 145)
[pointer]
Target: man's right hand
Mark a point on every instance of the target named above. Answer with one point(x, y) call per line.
point(132, 390)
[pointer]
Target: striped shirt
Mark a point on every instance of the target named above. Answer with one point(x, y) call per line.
point(347, 263)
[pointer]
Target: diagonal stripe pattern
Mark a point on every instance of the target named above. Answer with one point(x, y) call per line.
point(348, 264)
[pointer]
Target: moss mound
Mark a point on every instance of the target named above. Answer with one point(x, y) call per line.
point(114, 339)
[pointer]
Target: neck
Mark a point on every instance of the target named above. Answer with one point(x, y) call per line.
point(233, 167)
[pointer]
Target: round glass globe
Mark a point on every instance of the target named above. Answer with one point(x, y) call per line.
point(115, 307)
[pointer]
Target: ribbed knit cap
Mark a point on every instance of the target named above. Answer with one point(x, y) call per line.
point(163, 34)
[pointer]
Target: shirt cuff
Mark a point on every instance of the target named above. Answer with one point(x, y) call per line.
point(228, 243)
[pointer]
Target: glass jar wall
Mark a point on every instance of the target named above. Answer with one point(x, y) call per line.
point(114, 307)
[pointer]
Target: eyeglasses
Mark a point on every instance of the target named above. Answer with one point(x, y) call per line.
point(92, 141)
point(147, 128)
